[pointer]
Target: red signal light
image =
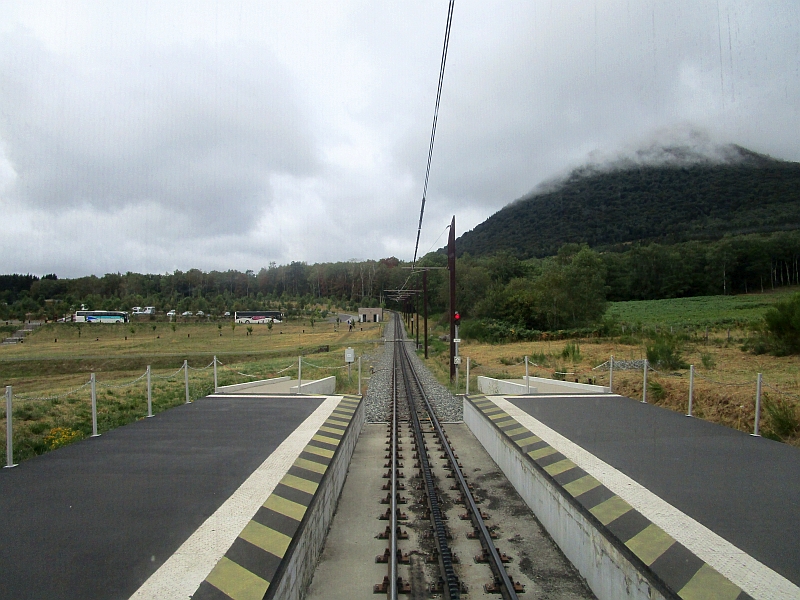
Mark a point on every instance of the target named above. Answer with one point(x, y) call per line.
point(456, 318)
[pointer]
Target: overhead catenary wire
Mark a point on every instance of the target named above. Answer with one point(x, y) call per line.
point(433, 127)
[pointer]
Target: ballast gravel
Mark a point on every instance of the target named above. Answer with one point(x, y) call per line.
point(448, 408)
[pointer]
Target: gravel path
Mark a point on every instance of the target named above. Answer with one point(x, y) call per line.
point(448, 407)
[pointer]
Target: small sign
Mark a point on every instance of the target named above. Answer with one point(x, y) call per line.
point(456, 360)
point(456, 340)
point(349, 355)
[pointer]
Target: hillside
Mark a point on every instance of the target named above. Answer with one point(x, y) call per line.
point(691, 198)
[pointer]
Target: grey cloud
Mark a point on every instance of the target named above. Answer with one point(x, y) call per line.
point(190, 129)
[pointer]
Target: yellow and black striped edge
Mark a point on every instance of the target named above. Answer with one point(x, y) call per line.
point(680, 572)
point(255, 559)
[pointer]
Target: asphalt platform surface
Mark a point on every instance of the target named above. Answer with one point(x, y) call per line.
point(95, 519)
point(745, 489)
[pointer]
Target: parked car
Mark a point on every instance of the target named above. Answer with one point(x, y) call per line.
point(136, 310)
point(227, 313)
point(186, 313)
point(200, 313)
point(171, 314)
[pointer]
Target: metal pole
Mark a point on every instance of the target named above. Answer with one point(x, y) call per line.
point(425, 309)
point(527, 381)
point(451, 265)
point(416, 312)
point(758, 406)
point(467, 390)
point(9, 431)
point(644, 385)
point(691, 390)
point(359, 375)
point(611, 375)
point(94, 407)
point(149, 394)
point(215, 373)
point(186, 378)
point(299, 373)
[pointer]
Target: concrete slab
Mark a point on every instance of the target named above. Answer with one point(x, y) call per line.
point(97, 518)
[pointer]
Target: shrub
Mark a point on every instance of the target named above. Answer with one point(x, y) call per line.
point(572, 352)
point(708, 360)
point(783, 421)
point(783, 324)
point(61, 436)
point(656, 390)
point(665, 352)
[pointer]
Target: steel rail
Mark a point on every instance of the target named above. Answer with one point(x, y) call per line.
point(451, 589)
point(392, 592)
point(507, 585)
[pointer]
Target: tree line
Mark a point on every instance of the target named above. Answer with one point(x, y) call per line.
point(567, 290)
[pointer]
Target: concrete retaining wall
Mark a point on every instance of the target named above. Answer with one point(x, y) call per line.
point(327, 385)
point(488, 385)
point(554, 386)
point(308, 544)
point(228, 389)
point(610, 575)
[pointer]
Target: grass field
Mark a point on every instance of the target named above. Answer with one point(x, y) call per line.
point(725, 382)
point(701, 311)
point(50, 370)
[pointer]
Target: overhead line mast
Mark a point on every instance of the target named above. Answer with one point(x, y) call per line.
point(433, 128)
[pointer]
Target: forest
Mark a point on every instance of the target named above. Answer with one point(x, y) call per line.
point(609, 209)
point(567, 290)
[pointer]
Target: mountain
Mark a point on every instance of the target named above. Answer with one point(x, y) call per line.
point(665, 194)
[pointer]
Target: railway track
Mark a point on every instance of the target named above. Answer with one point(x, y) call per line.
point(409, 404)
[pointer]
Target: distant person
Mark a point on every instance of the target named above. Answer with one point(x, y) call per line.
point(350, 323)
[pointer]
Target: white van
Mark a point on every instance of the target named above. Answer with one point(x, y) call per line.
point(136, 310)
point(149, 310)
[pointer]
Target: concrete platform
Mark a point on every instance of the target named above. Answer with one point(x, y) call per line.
point(148, 510)
point(647, 502)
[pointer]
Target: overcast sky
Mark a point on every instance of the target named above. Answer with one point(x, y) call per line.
point(151, 136)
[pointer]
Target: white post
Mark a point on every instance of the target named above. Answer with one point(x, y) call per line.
point(691, 390)
point(215, 373)
point(527, 381)
point(94, 407)
point(9, 431)
point(149, 394)
point(186, 379)
point(300, 373)
point(758, 406)
point(359, 375)
point(644, 386)
point(467, 390)
point(611, 375)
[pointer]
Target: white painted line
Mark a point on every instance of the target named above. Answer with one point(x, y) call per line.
point(183, 572)
point(752, 576)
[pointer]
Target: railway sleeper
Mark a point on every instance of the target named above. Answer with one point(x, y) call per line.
point(402, 559)
point(388, 499)
point(402, 534)
point(388, 475)
point(438, 587)
point(387, 516)
point(483, 557)
point(496, 587)
point(403, 587)
point(466, 516)
point(434, 557)
point(475, 534)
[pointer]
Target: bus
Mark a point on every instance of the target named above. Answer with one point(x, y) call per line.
point(258, 316)
point(101, 316)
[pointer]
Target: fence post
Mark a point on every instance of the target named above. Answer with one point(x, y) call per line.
point(149, 394)
point(758, 406)
point(527, 381)
point(359, 375)
point(691, 390)
point(186, 378)
point(215, 373)
point(299, 373)
point(611, 376)
point(467, 389)
point(94, 407)
point(644, 386)
point(9, 431)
